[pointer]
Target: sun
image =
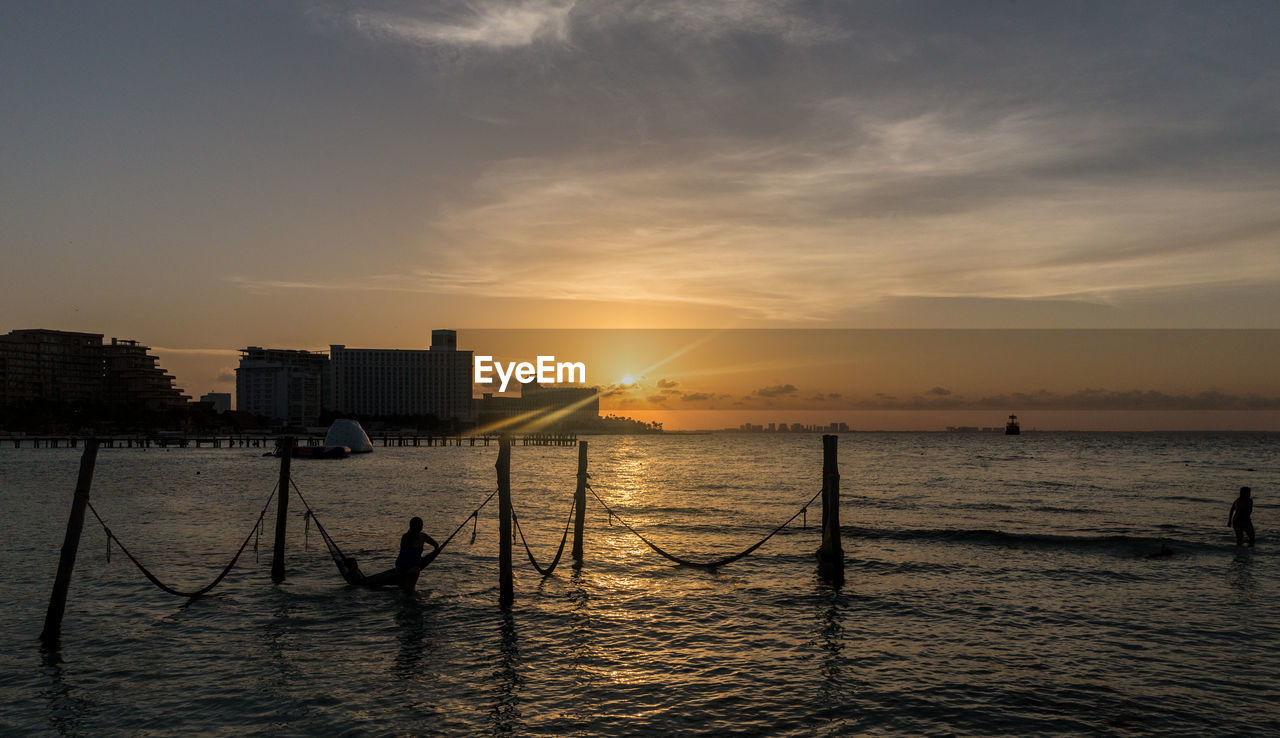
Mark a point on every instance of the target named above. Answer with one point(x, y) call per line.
point(628, 379)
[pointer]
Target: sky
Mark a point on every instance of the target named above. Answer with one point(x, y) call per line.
point(207, 176)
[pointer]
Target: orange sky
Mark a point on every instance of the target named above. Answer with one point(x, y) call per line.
point(897, 379)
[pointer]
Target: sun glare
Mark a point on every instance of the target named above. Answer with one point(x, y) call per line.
point(628, 379)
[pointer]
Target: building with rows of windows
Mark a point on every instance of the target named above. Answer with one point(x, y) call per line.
point(73, 368)
point(436, 381)
point(294, 387)
point(284, 385)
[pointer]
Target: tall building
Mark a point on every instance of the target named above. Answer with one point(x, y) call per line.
point(370, 382)
point(58, 366)
point(219, 401)
point(284, 385)
point(133, 377)
point(77, 369)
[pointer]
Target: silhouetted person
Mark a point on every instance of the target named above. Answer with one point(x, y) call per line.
point(410, 561)
point(1241, 516)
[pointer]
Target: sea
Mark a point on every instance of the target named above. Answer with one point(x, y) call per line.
point(1051, 583)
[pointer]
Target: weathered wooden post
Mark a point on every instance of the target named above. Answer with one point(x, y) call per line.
point(70, 545)
point(506, 594)
point(580, 504)
point(282, 508)
point(831, 554)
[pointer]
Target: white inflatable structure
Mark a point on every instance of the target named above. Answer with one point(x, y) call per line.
point(348, 433)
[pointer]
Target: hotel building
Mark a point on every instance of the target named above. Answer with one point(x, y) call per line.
point(284, 385)
point(72, 368)
point(371, 382)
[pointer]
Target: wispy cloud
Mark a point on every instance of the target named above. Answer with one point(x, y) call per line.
point(496, 25)
point(489, 25)
point(1045, 400)
point(780, 390)
point(1085, 399)
point(713, 18)
point(703, 153)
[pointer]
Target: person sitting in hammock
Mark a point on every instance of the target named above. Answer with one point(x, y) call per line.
point(411, 560)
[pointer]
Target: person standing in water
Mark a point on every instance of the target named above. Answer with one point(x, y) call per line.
point(1241, 516)
point(410, 561)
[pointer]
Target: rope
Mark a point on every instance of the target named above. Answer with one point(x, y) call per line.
point(700, 565)
point(474, 514)
point(554, 562)
point(176, 592)
point(340, 559)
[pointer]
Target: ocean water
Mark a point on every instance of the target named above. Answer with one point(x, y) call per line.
point(995, 585)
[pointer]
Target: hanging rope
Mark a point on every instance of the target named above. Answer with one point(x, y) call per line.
point(554, 562)
point(474, 514)
point(176, 592)
point(707, 564)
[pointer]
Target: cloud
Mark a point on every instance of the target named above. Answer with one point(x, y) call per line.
point(487, 25)
point(1085, 399)
point(917, 163)
point(939, 391)
point(782, 19)
point(779, 390)
point(495, 25)
point(656, 399)
point(227, 375)
point(667, 383)
point(697, 397)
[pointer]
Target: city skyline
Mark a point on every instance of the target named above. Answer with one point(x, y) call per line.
point(871, 379)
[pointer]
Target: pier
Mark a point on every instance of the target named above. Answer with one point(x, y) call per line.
point(527, 439)
point(152, 440)
point(268, 441)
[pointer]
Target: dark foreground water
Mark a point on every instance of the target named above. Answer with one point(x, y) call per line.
point(995, 586)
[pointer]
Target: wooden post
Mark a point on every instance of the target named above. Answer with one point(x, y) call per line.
point(580, 504)
point(70, 545)
point(506, 593)
point(831, 554)
point(282, 508)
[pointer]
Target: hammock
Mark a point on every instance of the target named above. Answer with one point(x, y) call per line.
point(349, 568)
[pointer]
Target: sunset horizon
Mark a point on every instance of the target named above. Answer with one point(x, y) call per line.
point(950, 170)
point(640, 367)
